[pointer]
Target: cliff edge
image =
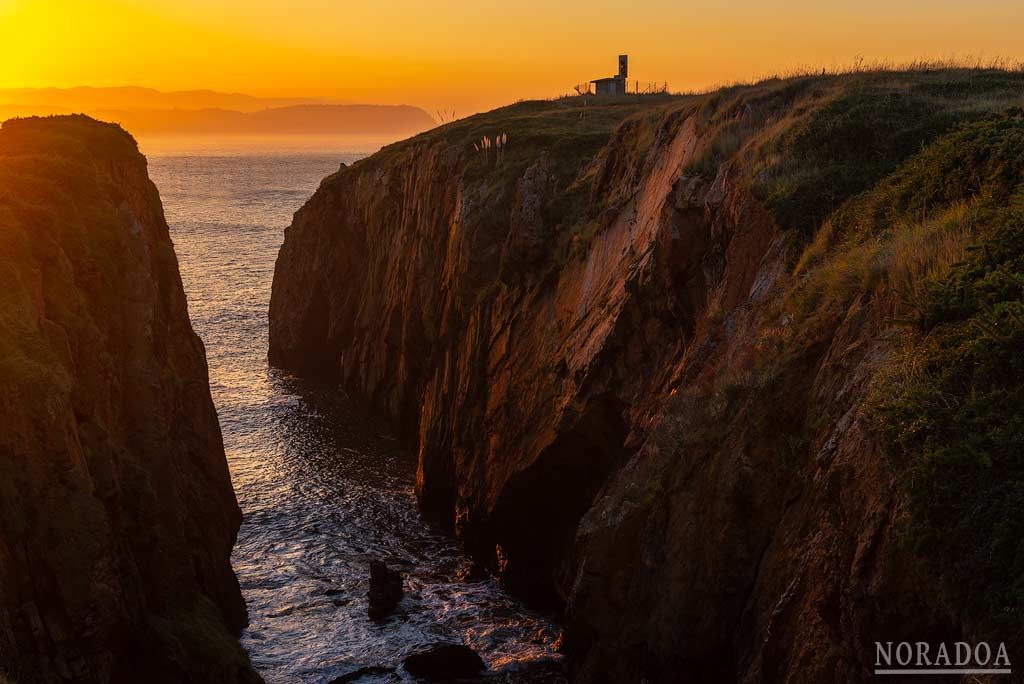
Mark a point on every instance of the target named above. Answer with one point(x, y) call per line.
point(117, 515)
point(715, 374)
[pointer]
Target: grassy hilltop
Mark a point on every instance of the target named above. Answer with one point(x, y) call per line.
point(905, 189)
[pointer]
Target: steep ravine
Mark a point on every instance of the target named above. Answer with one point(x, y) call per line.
point(117, 515)
point(640, 352)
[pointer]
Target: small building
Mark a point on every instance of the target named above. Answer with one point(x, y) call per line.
point(614, 85)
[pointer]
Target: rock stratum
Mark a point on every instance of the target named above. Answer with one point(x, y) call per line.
point(728, 378)
point(117, 515)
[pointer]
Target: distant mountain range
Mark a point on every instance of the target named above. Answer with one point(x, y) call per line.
point(145, 111)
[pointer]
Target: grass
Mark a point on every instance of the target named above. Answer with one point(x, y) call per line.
point(951, 405)
point(196, 638)
point(976, 160)
point(843, 149)
point(810, 143)
point(52, 205)
point(572, 134)
point(567, 129)
point(895, 269)
point(909, 230)
point(954, 407)
point(934, 249)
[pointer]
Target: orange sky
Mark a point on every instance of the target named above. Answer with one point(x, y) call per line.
point(477, 54)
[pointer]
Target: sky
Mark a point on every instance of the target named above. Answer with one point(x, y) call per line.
point(471, 55)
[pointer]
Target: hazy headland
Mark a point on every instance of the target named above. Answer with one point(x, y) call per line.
point(151, 113)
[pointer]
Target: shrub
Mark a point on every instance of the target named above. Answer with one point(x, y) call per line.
point(938, 245)
point(953, 407)
point(843, 149)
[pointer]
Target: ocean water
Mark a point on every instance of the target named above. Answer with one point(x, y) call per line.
point(324, 487)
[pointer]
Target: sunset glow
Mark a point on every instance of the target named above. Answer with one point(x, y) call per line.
point(473, 55)
point(531, 341)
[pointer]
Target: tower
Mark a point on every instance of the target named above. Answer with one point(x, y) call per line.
point(623, 66)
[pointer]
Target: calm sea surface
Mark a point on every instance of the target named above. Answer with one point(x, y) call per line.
point(323, 487)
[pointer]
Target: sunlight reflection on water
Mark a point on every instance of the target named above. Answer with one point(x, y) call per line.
point(324, 489)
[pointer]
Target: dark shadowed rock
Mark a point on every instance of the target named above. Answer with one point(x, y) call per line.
point(385, 590)
point(444, 661)
point(117, 515)
point(474, 571)
point(356, 675)
point(543, 672)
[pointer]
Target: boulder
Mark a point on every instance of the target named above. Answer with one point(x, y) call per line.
point(385, 590)
point(444, 661)
point(356, 675)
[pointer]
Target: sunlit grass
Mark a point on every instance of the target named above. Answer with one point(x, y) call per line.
point(810, 142)
point(896, 268)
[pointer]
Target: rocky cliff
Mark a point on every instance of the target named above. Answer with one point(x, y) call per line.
point(671, 365)
point(117, 515)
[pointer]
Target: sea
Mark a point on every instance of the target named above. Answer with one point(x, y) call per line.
point(325, 487)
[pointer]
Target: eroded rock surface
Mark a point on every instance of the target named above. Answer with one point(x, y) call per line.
point(625, 402)
point(117, 515)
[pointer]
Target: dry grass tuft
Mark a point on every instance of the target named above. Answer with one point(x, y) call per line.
point(896, 269)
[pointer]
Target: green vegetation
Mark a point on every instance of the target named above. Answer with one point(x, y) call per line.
point(810, 143)
point(194, 638)
point(952, 405)
point(936, 249)
point(568, 130)
point(571, 133)
point(57, 196)
point(843, 149)
point(805, 145)
point(980, 161)
point(914, 225)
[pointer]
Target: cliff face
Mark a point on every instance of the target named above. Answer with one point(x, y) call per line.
point(644, 351)
point(116, 507)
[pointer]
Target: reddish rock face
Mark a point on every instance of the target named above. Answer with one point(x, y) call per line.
point(400, 278)
point(117, 515)
point(613, 411)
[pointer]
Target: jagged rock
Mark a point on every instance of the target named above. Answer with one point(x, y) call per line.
point(385, 590)
point(529, 239)
point(444, 661)
point(634, 427)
